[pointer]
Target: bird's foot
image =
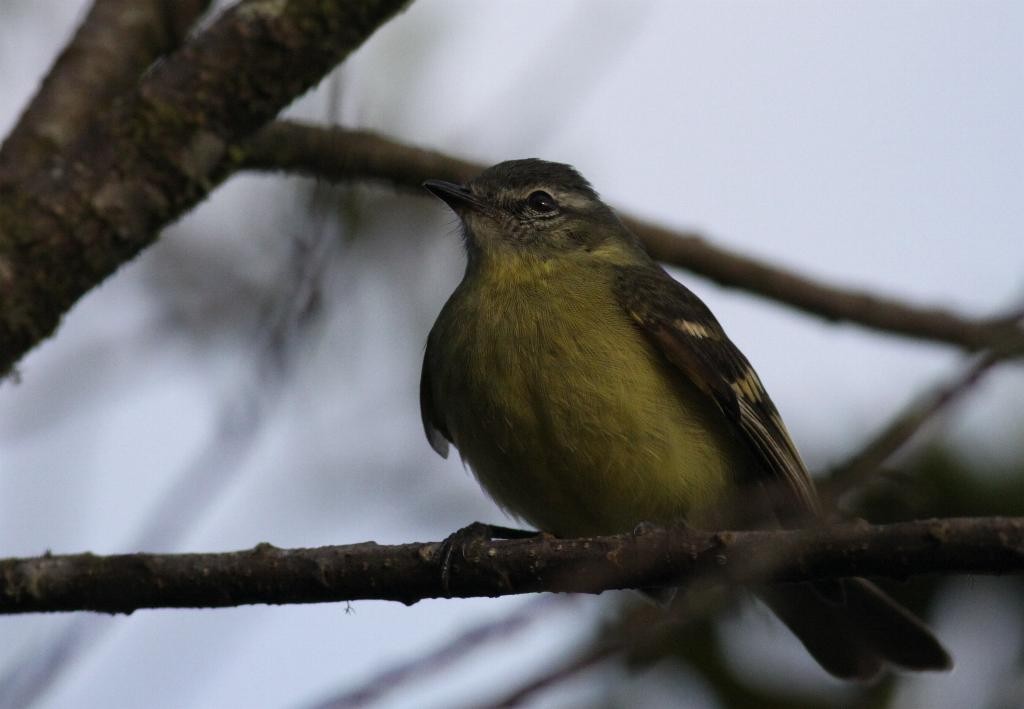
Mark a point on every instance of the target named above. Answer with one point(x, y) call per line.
point(648, 527)
point(644, 528)
point(477, 532)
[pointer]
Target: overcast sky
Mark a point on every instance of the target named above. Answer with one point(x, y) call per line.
point(877, 144)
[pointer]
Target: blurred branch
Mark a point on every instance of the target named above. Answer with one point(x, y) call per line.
point(865, 462)
point(640, 634)
point(833, 303)
point(436, 661)
point(159, 151)
point(586, 659)
point(412, 572)
point(167, 142)
point(116, 42)
point(338, 154)
point(643, 635)
point(287, 319)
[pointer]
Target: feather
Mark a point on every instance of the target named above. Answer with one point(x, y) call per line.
point(685, 332)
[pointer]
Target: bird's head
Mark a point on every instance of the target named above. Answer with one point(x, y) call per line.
point(535, 208)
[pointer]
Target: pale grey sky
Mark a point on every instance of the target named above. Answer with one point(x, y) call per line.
point(874, 143)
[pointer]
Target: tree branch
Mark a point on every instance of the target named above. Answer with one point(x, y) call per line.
point(340, 155)
point(434, 663)
point(165, 144)
point(64, 229)
point(585, 659)
point(866, 461)
point(115, 43)
point(833, 303)
point(411, 572)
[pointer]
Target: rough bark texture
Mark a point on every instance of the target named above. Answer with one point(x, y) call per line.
point(64, 229)
point(482, 567)
point(116, 42)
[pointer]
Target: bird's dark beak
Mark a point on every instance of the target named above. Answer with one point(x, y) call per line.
point(455, 196)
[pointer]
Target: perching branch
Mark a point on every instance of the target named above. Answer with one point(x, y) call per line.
point(158, 152)
point(411, 572)
point(341, 155)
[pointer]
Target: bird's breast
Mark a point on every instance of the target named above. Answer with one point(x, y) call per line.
point(567, 416)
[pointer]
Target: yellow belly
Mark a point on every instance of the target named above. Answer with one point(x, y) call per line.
point(568, 416)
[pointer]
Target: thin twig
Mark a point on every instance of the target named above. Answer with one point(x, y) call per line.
point(591, 656)
point(284, 325)
point(641, 630)
point(860, 466)
point(435, 661)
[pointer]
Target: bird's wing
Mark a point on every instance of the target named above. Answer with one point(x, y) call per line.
point(682, 329)
point(433, 422)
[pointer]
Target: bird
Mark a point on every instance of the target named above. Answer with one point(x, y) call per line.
point(590, 392)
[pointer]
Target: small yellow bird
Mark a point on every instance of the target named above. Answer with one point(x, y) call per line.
point(590, 392)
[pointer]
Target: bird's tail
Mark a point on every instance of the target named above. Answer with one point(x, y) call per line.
point(854, 630)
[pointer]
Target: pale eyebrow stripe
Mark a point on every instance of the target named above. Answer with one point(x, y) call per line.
point(571, 200)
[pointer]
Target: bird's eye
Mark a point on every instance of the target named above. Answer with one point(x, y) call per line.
point(541, 202)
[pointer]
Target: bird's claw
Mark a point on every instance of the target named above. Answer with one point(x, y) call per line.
point(461, 539)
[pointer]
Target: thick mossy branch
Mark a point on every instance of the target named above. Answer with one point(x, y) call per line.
point(115, 43)
point(159, 151)
point(481, 567)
